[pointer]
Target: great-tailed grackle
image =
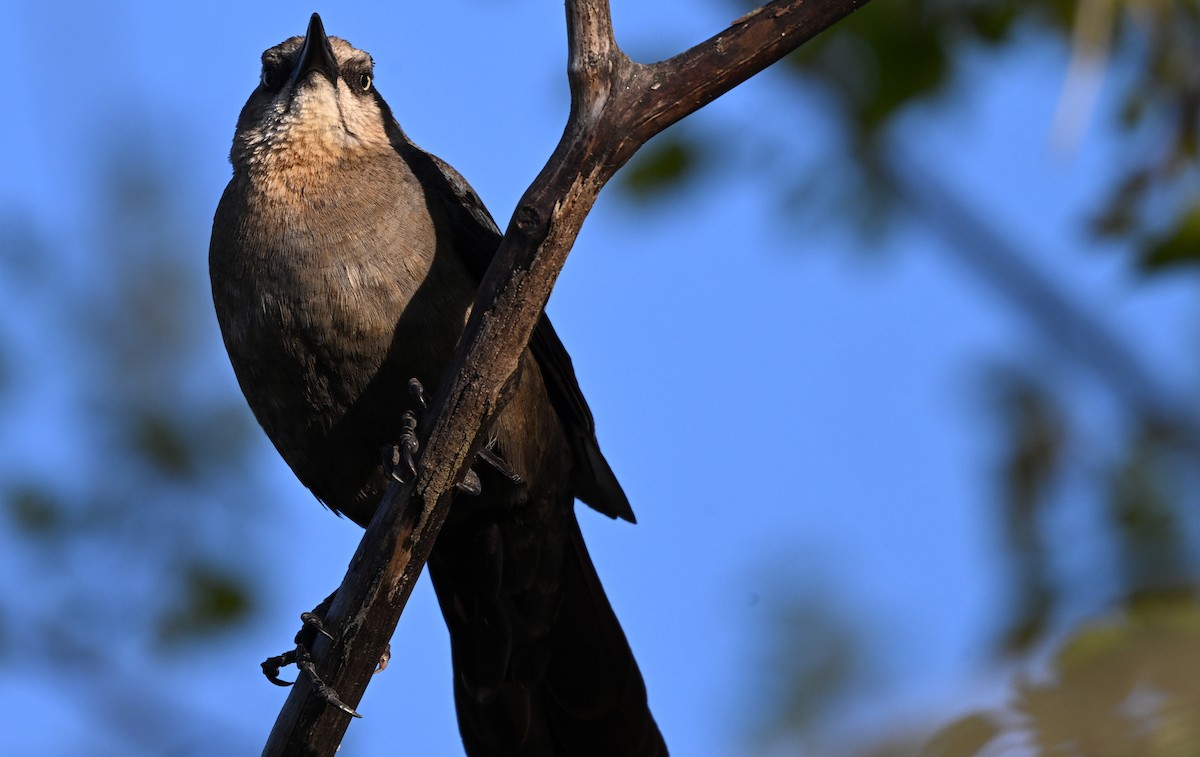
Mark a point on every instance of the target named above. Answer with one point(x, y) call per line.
point(344, 261)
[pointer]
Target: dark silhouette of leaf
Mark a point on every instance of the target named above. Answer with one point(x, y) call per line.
point(1180, 247)
point(661, 165)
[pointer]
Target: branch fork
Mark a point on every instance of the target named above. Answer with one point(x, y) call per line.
point(617, 105)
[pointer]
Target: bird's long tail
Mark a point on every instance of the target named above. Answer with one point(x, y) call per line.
point(534, 680)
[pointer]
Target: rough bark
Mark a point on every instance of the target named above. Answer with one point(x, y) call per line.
point(617, 105)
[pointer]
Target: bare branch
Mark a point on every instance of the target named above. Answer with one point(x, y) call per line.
point(617, 105)
point(687, 82)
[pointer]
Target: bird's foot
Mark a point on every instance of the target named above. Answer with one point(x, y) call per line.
point(313, 624)
point(416, 390)
point(302, 659)
point(305, 665)
point(399, 459)
point(272, 665)
point(384, 659)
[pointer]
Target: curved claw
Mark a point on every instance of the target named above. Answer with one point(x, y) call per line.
point(491, 458)
point(384, 659)
point(417, 392)
point(399, 459)
point(317, 623)
point(470, 484)
point(304, 663)
point(272, 665)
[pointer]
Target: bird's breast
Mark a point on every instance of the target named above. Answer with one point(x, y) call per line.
point(329, 302)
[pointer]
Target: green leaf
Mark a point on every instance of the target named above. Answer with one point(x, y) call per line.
point(212, 601)
point(877, 61)
point(663, 165)
point(1180, 247)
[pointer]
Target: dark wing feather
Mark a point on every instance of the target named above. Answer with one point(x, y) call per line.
point(477, 238)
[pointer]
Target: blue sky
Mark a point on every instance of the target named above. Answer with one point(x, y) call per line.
point(787, 411)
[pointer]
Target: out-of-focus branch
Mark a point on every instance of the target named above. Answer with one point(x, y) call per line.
point(989, 254)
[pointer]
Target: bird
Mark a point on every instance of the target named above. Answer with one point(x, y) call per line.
point(344, 261)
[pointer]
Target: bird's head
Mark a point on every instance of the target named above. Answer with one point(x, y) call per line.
point(315, 102)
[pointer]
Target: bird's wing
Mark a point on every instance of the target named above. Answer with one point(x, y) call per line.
point(476, 239)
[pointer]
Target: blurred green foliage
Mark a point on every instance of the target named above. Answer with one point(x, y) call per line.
point(894, 58)
point(1180, 244)
point(140, 529)
point(1123, 685)
point(675, 161)
point(137, 506)
point(811, 657)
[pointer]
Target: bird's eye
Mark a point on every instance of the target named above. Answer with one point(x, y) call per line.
point(364, 82)
point(267, 79)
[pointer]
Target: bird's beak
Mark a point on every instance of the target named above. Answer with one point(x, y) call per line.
point(317, 54)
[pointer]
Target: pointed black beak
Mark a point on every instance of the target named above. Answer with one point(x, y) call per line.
point(317, 54)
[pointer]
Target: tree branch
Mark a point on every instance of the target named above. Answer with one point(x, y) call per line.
point(616, 107)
